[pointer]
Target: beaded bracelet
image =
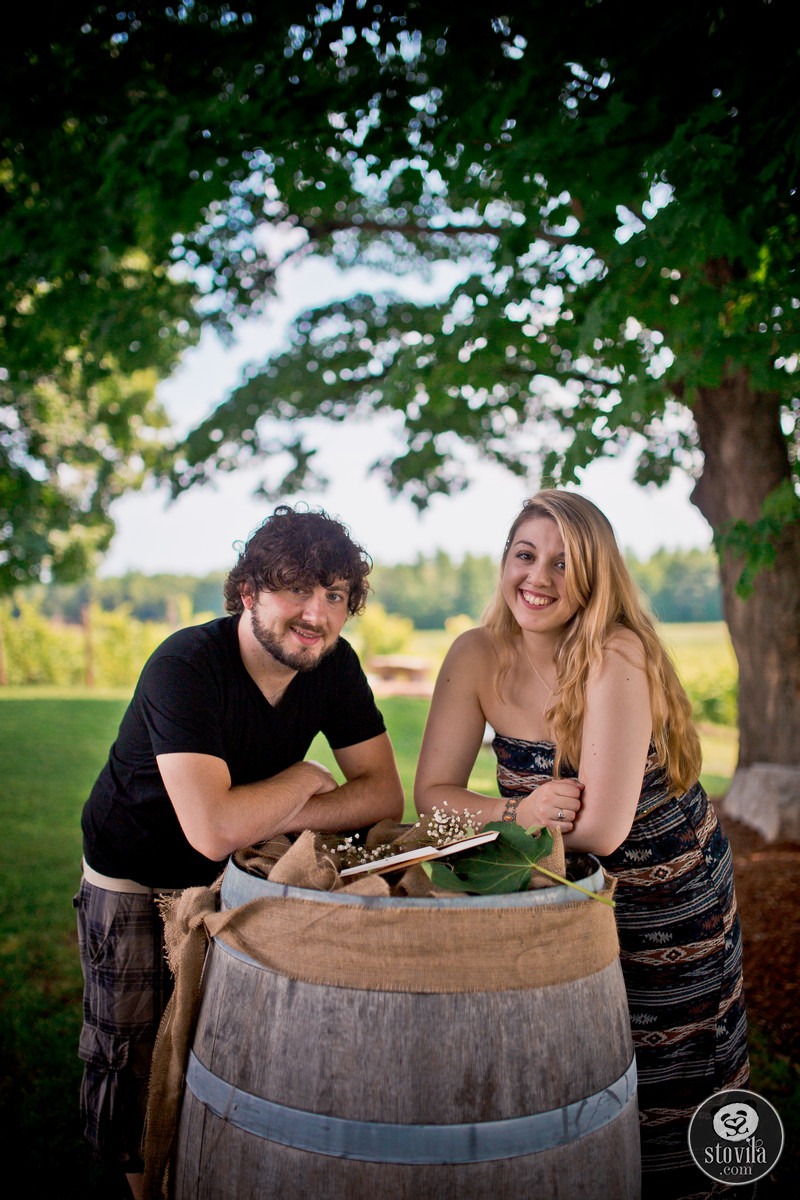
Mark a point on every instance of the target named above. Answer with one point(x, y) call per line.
point(510, 810)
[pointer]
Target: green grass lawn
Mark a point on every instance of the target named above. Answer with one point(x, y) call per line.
point(51, 747)
point(50, 750)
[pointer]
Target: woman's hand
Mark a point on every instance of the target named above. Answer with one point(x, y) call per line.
point(556, 802)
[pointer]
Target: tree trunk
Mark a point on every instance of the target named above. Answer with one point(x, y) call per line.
point(745, 460)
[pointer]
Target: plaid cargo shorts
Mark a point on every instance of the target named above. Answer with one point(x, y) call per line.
point(126, 988)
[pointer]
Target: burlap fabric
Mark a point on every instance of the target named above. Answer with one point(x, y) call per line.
point(316, 863)
point(439, 948)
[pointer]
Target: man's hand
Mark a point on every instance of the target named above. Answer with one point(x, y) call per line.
point(327, 783)
point(372, 790)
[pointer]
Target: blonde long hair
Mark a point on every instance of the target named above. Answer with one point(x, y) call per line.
point(605, 596)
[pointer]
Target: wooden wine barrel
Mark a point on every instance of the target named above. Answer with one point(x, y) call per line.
point(481, 1049)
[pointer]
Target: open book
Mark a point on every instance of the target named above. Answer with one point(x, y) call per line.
point(422, 854)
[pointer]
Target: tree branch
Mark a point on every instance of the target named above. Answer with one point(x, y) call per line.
point(320, 229)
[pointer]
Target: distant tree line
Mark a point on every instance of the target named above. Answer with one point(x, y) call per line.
point(680, 585)
point(433, 588)
point(162, 598)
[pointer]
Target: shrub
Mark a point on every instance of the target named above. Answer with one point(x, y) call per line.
point(108, 650)
point(121, 645)
point(379, 632)
point(714, 699)
point(38, 651)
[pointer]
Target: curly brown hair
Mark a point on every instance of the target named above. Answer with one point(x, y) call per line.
point(299, 548)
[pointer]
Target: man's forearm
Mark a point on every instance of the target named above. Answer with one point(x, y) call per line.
point(355, 804)
point(218, 818)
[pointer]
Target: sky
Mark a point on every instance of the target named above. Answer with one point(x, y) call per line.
point(198, 532)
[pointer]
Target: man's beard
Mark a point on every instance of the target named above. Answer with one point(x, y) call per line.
point(296, 661)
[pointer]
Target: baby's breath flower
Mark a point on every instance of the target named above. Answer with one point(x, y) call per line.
point(440, 827)
point(445, 825)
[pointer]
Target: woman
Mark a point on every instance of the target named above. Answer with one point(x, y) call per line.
point(594, 735)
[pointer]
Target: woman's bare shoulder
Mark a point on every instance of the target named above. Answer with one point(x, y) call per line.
point(472, 649)
point(477, 640)
point(624, 644)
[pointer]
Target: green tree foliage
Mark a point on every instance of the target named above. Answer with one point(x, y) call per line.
point(431, 592)
point(582, 173)
point(107, 649)
point(172, 599)
point(434, 588)
point(681, 585)
point(36, 650)
point(617, 185)
point(119, 646)
point(376, 631)
point(90, 315)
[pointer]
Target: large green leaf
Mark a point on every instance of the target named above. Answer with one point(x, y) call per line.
point(504, 865)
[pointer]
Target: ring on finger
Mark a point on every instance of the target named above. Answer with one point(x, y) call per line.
point(560, 815)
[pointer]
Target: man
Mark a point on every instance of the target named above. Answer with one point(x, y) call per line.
point(210, 757)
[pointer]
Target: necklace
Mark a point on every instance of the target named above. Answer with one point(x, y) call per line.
point(538, 674)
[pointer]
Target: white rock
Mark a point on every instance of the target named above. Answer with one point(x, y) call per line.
point(766, 796)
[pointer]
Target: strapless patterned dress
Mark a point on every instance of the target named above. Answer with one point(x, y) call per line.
point(681, 958)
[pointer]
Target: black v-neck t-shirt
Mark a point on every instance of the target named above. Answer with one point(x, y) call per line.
point(195, 695)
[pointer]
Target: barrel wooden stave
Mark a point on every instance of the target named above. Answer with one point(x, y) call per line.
point(340, 1051)
point(411, 1059)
